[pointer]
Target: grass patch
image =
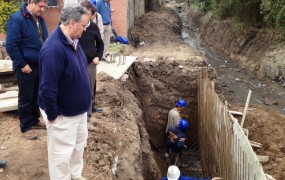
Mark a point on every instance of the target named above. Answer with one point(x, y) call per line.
point(116, 48)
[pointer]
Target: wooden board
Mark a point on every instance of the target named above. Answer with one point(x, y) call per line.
point(9, 94)
point(235, 113)
point(262, 158)
point(11, 88)
point(9, 104)
point(255, 144)
point(6, 66)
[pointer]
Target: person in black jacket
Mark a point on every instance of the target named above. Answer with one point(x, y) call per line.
point(93, 47)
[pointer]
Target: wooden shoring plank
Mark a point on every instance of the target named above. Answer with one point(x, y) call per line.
point(9, 94)
point(11, 88)
point(255, 144)
point(262, 158)
point(245, 146)
point(236, 112)
point(8, 104)
point(246, 132)
point(245, 108)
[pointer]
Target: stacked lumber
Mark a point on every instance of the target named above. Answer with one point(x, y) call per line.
point(8, 97)
point(5, 65)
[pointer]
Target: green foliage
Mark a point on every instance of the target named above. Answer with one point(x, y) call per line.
point(224, 9)
point(248, 12)
point(273, 12)
point(202, 5)
point(6, 10)
point(116, 48)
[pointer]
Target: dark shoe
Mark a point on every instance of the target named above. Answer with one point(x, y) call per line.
point(39, 125)
point(30, 135)
point(3, 163)
point(98, 110)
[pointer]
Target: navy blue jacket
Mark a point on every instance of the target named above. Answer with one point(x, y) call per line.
point(22, 40)
point(64, 86)
point(175, 138)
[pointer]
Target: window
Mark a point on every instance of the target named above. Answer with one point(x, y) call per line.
point(52, 3)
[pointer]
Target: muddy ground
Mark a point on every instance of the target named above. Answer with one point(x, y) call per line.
point(136, 111)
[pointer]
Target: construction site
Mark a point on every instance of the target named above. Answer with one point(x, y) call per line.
point(237, 122)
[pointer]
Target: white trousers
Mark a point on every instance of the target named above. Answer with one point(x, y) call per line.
point(67, 137)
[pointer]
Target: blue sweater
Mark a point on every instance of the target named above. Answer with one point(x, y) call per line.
point(104, 11)
point(64, 86)
point(22, 40)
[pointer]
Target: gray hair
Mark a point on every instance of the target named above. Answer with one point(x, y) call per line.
point(36, 1)
point(72, 13)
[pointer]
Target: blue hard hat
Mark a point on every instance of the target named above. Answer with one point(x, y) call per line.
point(93, 2)
point(183, 124)
point(181, 103)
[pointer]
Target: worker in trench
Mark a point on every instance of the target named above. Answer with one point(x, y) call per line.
point(174, 114)
point(176, 136)
point(173, 173)
point(174, 117)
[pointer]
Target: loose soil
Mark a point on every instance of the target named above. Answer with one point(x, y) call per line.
point(136, 111)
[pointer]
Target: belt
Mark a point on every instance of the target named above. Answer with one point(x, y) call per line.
point(106, 23)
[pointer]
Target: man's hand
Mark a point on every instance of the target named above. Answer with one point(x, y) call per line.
point(96, 60)
point(26, 69)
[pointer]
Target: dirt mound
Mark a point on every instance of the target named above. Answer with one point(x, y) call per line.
point(162, 25)
point(118, 147)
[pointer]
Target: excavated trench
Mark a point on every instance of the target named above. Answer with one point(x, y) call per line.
point(158, 85)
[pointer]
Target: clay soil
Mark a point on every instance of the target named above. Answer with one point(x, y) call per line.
point(136, 110)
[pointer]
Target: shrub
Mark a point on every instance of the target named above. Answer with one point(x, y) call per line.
point(6, 10)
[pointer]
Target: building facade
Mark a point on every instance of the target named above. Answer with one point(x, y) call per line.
point(124, 13)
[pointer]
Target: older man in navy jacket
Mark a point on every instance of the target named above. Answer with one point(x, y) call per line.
point(65, 95)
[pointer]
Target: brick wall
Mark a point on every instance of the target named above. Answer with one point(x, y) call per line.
point(123, 15)
point(119, 16)
point(52, 15)
point(2, 37)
